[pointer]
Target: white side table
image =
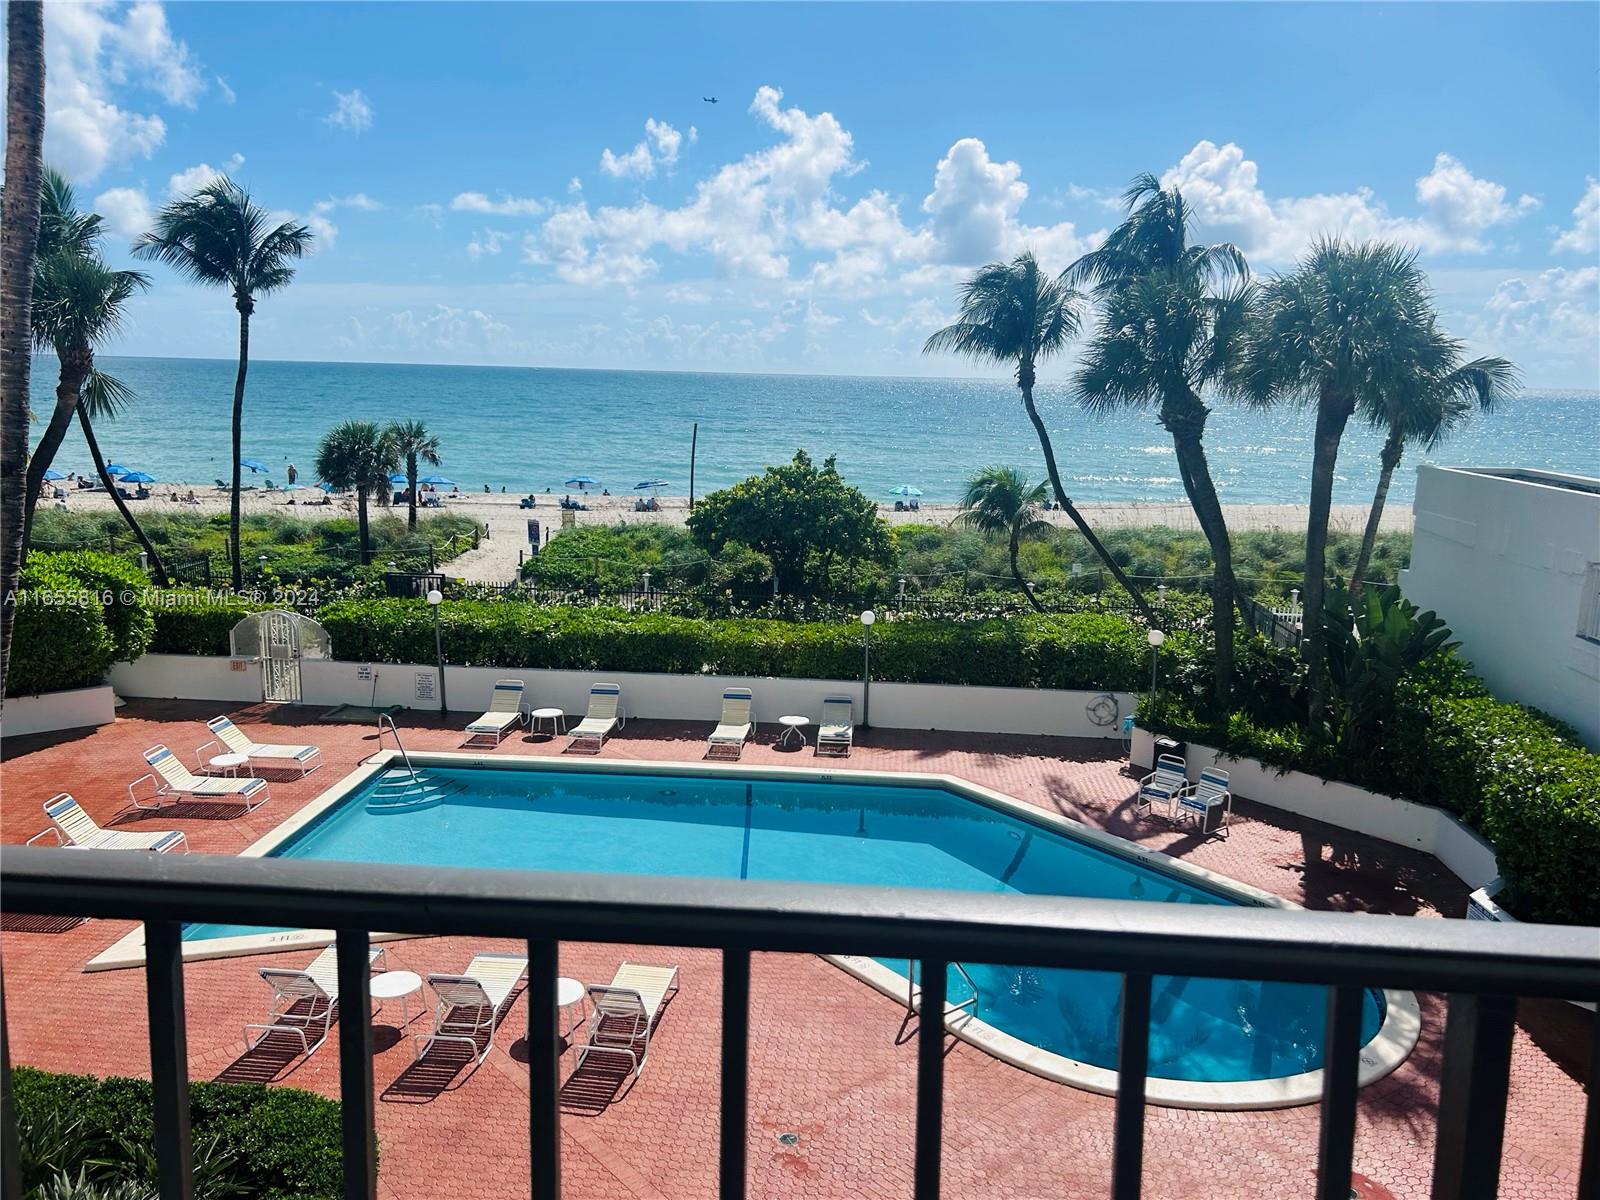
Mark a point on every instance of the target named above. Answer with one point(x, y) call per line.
point(556, 717)
point(396, 985)
point(569, 992)
point(794, 725)
point(230, 764)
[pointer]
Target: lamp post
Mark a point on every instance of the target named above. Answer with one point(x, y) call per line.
point(1155, 638)
point(435, 598)
point(867, 619)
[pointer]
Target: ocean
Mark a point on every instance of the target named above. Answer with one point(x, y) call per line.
point(532, 428)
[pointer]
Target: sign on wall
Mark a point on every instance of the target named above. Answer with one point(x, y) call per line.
point(426, 682)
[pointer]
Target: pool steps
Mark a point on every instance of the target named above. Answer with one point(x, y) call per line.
point(399, 793)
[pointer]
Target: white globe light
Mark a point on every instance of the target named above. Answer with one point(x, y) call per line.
point(1156, 637)
point(868, 617)
point(435, 596)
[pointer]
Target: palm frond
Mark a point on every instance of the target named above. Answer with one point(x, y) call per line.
point(104, 396)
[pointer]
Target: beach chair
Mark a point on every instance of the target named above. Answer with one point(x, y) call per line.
point(1200, 799)
point(172, 778)
point(73, 827)
point(728, 738)
point(303, 1001)
point(1163, 784)
point(623, 1013)
point(234, 739)
point(224, 486)
point(505, 712)
point(606, 715)
point(836, 730)
point(473, 1002)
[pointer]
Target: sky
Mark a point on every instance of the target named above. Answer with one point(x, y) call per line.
point(547, 185)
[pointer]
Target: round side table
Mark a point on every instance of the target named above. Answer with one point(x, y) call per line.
point(230, 764)
point(793, 725)
point(555, 716)
point(569, 992)
point(397, 985)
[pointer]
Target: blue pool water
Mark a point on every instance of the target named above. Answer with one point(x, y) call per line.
point(833, 832)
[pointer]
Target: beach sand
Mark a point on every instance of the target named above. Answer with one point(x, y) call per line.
point(496, 560)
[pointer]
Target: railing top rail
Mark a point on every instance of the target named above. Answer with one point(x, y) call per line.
point(1177, 939)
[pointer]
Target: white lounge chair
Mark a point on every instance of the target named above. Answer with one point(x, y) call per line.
point(172, 778)
point(606, 715)
point(623, 1013)
point(1163, 784)
point(735, 727)
point(1199, 799)
point(505, 712)
point(303, 1001)
point(235, 741)
point(472, 1003)
point(75, 828)
point(836, 730)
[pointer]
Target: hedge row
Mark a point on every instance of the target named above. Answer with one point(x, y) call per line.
point(77, 613)
point(187, 623)
point(1080, 650)
point(277, 1143)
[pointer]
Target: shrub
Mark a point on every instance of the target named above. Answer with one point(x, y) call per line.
point(277, 1142)
point(78, 612)
point(189, 622)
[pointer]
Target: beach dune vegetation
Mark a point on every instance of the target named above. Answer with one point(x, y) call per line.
point(1000, 500)
point(360, 456)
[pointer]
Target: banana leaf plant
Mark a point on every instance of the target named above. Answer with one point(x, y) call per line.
point(1373, 640)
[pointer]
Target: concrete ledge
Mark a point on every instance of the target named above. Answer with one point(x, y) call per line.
point(77, 708)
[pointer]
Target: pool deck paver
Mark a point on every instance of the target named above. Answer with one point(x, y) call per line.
point(828, 1063)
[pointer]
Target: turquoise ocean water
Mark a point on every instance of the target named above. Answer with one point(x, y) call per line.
point(531, 428)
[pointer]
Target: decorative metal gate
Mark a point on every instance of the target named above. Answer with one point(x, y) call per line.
point(279, 639)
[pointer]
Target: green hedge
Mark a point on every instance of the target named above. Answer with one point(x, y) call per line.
point(187, 622)
point(78, 612)
point(1078, 650)
point(278, 1143)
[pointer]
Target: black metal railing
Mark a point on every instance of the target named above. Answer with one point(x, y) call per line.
point(1481, 967)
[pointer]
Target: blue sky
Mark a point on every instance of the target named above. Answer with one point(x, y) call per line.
point(543, 184)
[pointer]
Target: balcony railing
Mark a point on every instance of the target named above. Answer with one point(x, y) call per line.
point(1481, 967)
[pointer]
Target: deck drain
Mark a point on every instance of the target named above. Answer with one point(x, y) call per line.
point(789, 1139)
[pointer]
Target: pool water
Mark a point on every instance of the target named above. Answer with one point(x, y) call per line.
point(1209, 1030)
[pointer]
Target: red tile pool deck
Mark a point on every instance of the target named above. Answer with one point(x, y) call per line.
point(829, 1059)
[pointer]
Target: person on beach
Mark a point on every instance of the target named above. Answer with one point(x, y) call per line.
point(292, 474)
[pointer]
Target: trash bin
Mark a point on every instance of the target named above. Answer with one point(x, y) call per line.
point(1166, 745)
point(533, 534)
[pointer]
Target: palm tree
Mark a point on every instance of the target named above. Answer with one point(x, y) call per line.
point(78, 301)
point(1339, 333)
point(104, 396)
point(1001, 500)
point(1011, 313)
point(19, 236)
point(1427, 410)
point(219, 237)
point(1170, 317)
point(413, 443)
point(359, 455)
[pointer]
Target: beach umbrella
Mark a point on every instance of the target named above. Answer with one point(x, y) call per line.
point(905, 489)
point(51, 475)
point(255, 464)
point(397, 477)
point(138, 477)
point(582, 481)
point(117, 469)
point(437, 481)
point(650, 485)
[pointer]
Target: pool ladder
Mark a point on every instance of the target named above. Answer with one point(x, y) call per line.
point(399, 745)
point(970, 1003)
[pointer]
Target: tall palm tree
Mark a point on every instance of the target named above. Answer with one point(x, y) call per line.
point(359, 455)
point(1012, 313)
point(1426, 409)
point(1337, 333)
point(220, 237)
point(1001, 500)
point(1170, 317)
point(19, 236)
point(78, 301)
point(414, 444)
point(104, 396)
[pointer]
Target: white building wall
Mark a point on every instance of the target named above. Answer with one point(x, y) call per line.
point(1504, 561)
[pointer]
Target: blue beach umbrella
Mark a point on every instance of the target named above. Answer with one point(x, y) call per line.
point(254, 464)
point(397, 477)
point(437, 480)
point(117, 469)
point(582, 481)
point(51, 475)
point(138, 477)
point(905, 489)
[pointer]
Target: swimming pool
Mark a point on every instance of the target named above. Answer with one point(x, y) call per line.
point(852, 828)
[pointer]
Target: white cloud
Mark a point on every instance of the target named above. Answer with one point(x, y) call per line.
point(320, 219)
point(192, 179)
point(506, 206)
point(1222, 187)
point(126, 211)
point(1584, 236)
point(93, 49)
point(443, 331)
point(352, 111)
point(227, 93)
point(659, 149)
point(574, 186)
point(1544, 321)
point(488, 242)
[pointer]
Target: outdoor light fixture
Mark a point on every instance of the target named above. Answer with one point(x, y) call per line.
point(867, 620)
point(1155, 637)
point(435, 598)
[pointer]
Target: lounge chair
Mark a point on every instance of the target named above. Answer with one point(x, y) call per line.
point(472, 1003)
point(606, 715)
point(76, 828)
point(505, 712)
point(1211, 792)
point(229, 735)
point(1164, 783)
point(623, 1013)
point(836, 730)
point(304, 1001)
point(172, 778)
point(735, 727)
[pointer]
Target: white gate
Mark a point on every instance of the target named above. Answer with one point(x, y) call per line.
point(279, 639)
